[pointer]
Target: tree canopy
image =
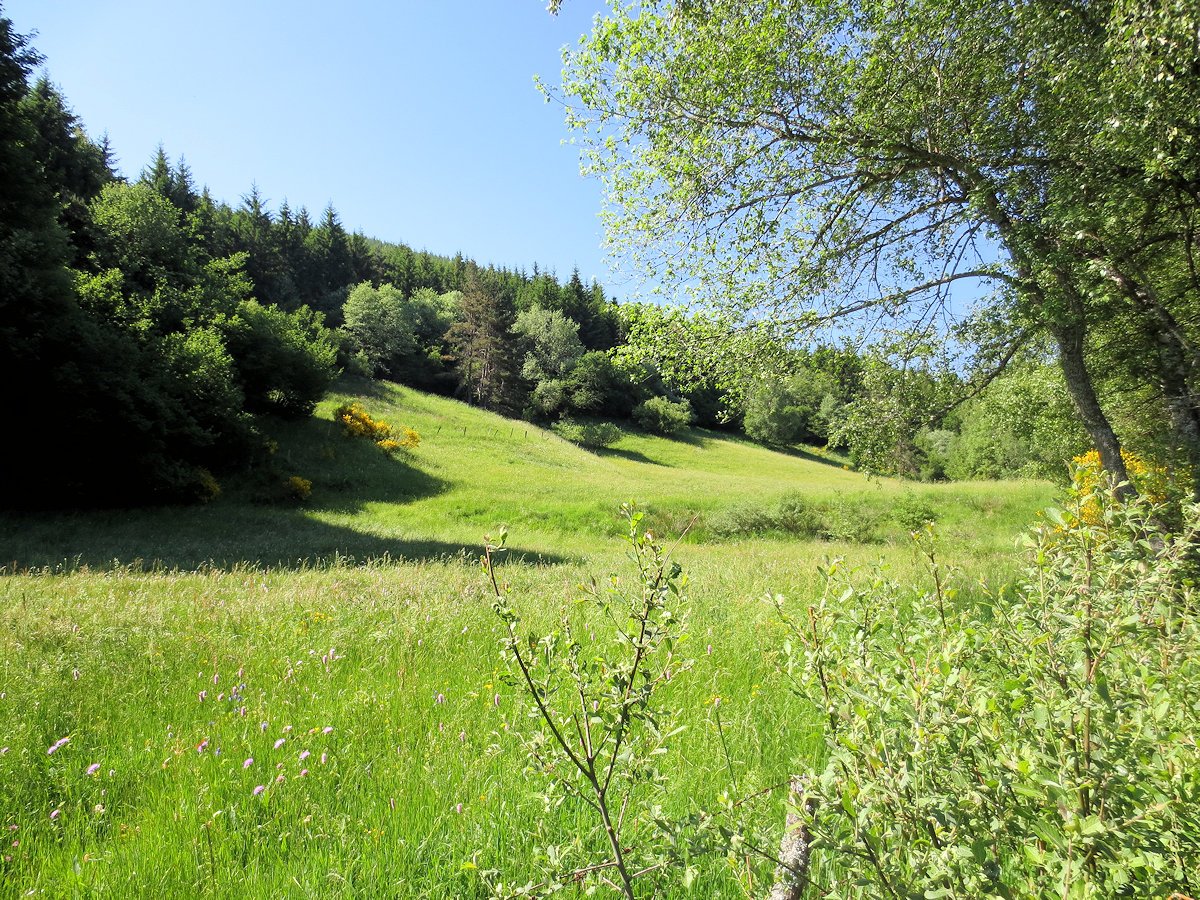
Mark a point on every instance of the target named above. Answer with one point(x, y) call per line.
point(819, 160)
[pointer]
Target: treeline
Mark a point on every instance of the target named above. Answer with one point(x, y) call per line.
point(137, 362)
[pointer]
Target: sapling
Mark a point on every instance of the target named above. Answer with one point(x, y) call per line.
point(597, 727)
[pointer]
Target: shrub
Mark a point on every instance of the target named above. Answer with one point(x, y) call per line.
point(741, 520)
point(662, 416)
point(297, 488)
point(792, 514)
point(781, 411)
point(592, 435)
point(286, 360)
point(357, 422)
point(796, 515)
point(1151, 480)
point(209, 487)
point(1039, 747)
point(407, 441)
point(844, 520)
point(612, 760)
point(912, 512)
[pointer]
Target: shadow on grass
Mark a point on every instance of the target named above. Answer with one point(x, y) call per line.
point(808, 455)
point(631, 455)
point(228, 538)
point(240, 530)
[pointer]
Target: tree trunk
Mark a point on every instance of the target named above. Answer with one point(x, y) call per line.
point(791, 876)
point(1181, 406)
point(1177, 361)
point(1083, 395)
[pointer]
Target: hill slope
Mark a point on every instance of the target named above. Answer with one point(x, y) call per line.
point(475, 471)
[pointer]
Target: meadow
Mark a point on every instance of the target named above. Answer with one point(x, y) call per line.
point(307, 698)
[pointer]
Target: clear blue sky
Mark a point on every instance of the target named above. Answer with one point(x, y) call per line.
point(418, 119)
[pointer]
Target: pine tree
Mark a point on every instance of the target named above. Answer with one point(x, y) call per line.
point(482, 343)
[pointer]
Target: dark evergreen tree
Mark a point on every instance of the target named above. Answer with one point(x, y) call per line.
point(75, 168)
point(158, 174)
point(483, 344)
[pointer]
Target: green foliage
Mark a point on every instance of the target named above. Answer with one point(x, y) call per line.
point(553, 339)
point(1034, 748)
point(599, 729)
point(913, 512)
point(481, 341)
point(897, 402)
point(597, 386)
point(285, 361)
point(822, 162)
point(1022, 425)
point(588, 433)
point(659, 415)
point(785, 411)
point(378, 328)
point(839, 519)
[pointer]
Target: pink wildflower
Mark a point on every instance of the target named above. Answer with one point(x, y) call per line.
point(248, 763)
point(58, 745)
point(279, 743)
point(258, 790)
point(93, 768)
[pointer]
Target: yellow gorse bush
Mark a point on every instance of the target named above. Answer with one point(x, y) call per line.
point(298, 488)
point(1151, 480)
point(357, 422)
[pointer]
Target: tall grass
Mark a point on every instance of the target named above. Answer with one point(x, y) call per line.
point(171, 646)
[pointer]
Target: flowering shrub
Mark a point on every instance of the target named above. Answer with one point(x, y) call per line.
point(357, 422)
point(297, 488)
point(1151, 480)
point(208, 488)
point(407, 440)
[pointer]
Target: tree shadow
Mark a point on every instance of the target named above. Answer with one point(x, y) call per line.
point(255, 523)
point(631, 455)
point(234, 537)
point(698, 437)
point(808, 455)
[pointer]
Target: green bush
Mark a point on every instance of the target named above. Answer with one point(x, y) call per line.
point(662, 416)
point(589, 434)
point(849, 521)
point(286, 360)
point(912, 512)
point(797, 515)
point(741, 520)
point(792, 514)
point(1042, 746)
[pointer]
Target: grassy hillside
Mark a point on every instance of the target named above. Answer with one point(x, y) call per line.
point(154, 639)
point(475, 471)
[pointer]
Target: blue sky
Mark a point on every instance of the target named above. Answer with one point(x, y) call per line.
point(418, 120)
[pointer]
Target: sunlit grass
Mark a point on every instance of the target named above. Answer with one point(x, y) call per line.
point(171, 646)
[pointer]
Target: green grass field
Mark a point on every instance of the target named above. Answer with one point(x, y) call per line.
point(341, 653)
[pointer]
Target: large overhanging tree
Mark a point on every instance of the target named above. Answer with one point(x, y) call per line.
point(818, 160)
